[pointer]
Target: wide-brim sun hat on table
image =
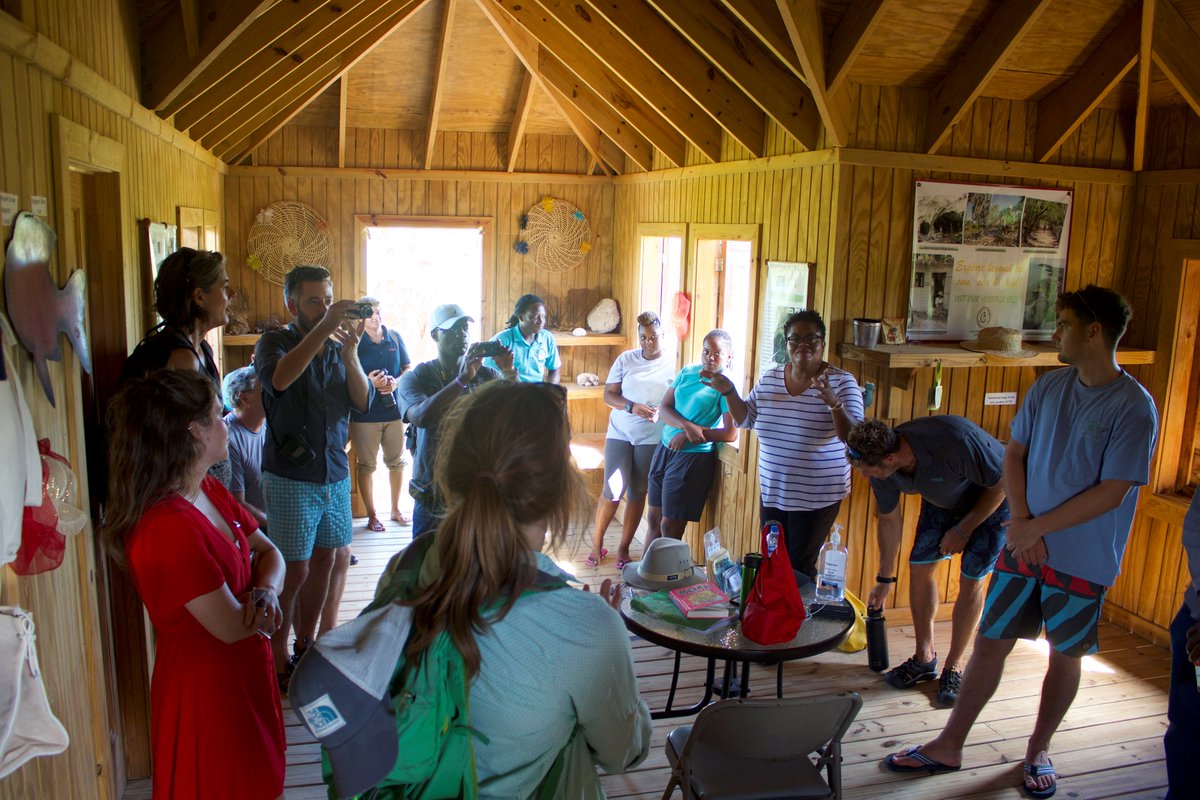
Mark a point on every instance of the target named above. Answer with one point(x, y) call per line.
point(666, 564)
point(998, 341)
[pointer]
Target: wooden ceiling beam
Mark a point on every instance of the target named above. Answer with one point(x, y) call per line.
point(439, 77)
point(612, 159)
point(802, 19)
point(218, 24)
point(1063, 110)
point(967, 78)
point(271, 66)
point(516, 130)
point(858, 23)
point(1177, 52)
point(191, 26)
point(606, 84)
point(761, 17)
point(639, 73)
point(687, 67)
point(309, 78)
point(1141, 115)
point(343, 101)
point(523, 45)
point(738, 53)
point(610, 123)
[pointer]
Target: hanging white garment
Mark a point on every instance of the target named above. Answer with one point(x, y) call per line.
point(28, 728)
point(21, 475)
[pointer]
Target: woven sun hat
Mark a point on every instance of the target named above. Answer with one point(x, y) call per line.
point(998, 341)
point(666, 564)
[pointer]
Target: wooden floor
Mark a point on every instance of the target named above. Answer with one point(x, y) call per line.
point(1109, 745)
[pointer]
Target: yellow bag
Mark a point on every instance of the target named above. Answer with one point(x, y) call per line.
point(857, 640)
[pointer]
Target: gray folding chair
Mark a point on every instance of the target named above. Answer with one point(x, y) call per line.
point(759, 749)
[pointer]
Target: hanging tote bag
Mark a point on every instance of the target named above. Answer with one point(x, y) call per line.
point(774, 610)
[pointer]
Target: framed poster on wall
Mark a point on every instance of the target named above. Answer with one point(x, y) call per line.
point(786, 288)
point(986, 255)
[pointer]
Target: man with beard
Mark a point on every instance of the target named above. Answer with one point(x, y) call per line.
point(311, 379)
point(429, 390)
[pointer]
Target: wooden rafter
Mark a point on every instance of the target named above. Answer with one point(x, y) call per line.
point(761, 17)
point(272, 66)
point(516, 131)
point(858, 23)
point(1176, 49)
point(439, 77)
point(169, 70)
point(1063, 110)
point(967, 78)
point(343, 101)
point(639, 73)
point(190, 13)
point(311, 78)
point(741, 56)
point(802, 19)
point(1141, 115)
point(692, 71)
point(609, 87)
point(526, 50)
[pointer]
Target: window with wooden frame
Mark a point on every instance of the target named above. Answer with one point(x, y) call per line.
point(660, 273)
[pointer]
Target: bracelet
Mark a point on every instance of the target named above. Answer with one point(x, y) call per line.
point(726, 394)
point(841, 404)
point(881, 579)
point(958, 529)
point(458, 380)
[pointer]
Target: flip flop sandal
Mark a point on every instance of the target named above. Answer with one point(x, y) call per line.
point(621, 562)
point(593, 560)
point(927, 765)
point(1035, 771)
point(402, 519)
point(375, 525)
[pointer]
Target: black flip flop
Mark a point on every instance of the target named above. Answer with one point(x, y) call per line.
point(927, 765)
point(1035, 771)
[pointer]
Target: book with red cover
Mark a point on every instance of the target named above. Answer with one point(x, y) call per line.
point(701, 600)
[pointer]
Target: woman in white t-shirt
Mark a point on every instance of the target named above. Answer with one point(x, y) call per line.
point(636, 385)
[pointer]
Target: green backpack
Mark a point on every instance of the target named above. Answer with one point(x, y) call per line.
point(436, 754)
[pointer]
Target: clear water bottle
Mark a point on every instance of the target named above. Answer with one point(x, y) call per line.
point(772, 537)
point(831, 568)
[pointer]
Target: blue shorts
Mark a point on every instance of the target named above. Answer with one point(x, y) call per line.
point(979, 555)
point(303, 515)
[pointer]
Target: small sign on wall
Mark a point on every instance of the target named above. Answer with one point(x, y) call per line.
point(1000, 399)
point(8, 208)
point(39, 206)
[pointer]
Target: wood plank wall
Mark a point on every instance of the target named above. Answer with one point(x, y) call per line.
point(855, 222)
point(158, 177)
point(339, 199)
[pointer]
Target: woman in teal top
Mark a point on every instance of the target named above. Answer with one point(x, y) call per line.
point(533, 347)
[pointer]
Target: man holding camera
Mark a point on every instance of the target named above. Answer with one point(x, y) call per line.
point(311, 380)
point(384, 358)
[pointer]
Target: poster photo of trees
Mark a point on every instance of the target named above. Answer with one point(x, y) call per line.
point(993, 220)
point(1042, 223)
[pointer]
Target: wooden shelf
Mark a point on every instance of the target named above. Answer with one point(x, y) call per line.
point(917, 356)
point(566, 339)
point(577, 392)
point(241, 340)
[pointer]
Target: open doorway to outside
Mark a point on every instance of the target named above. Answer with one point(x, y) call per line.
point(660, 276)
point(412, 265)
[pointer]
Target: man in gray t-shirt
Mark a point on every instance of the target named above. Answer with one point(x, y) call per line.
point(247, 429)
point(954, 465)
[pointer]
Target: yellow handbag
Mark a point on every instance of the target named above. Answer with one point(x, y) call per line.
point(857, 640)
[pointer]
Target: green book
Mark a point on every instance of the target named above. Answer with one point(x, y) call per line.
point(659, 604)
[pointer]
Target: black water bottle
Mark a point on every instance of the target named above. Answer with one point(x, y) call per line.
point(877, 649)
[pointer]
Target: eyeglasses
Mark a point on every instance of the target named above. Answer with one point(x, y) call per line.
point(812, 340)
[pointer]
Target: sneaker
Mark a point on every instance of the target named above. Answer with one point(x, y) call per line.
point(912, 672)
point(948, 686)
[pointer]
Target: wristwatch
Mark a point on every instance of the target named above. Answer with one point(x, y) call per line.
point(628, 406)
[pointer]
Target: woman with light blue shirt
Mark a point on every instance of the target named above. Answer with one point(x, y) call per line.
point(635, 387)
point(535, 353)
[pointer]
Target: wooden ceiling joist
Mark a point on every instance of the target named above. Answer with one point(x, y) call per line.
point(802, 19)
point(516, 131)
point(311, 77)
point(1177, 52)
point(218, 25)
point(606, 84)
point(525, 47)
point(1141, 115)
point(273, 66)
point(191, 26)
point(691, 71)
point(967, 78)
point(249, 40)
point(343, 101)
point(1063, 110)
point(741, 56)
point(762, 18)
point(857, 24)
point(439, 77)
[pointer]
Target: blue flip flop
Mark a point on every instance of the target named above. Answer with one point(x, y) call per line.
point(927, 765)
point(1035, 771)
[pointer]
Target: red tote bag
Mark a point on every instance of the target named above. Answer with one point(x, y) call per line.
point(774, 610)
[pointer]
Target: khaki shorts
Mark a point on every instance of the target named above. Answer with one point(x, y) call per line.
point(368, 437)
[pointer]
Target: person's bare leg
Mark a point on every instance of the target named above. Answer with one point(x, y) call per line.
point(673, 528)
point(294, 579)
point(312, 594)
point(629, 524)
point(653, 524)
point(605, 511)
point(923, 596)
point(337, 587)
point(967, 610)
point(1058, 692)
point(366, 491)
point(395, 481)
point(982, 677)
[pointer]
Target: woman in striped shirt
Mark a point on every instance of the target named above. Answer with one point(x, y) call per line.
point(801, 412)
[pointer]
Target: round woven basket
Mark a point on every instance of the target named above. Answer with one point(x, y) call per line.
point(287, 234)
point(557, 234)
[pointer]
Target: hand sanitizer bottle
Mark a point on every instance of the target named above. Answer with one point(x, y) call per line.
point(831, 568)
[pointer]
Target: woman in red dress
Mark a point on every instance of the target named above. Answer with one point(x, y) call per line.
point(209, 579)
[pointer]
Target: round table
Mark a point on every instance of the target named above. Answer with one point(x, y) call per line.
point(820, 632)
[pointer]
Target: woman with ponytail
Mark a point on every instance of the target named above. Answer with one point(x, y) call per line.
point(535, 353)
point(550, 671)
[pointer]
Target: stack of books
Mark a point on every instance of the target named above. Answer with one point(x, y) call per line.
point(701, 606)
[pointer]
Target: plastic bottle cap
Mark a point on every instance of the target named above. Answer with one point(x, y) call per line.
point(835, 537)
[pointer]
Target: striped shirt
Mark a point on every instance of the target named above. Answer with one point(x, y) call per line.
point(801, 462)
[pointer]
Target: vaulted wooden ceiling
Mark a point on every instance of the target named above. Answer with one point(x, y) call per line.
point(631, 77)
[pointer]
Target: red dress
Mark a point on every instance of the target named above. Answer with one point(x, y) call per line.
point(216, 721)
